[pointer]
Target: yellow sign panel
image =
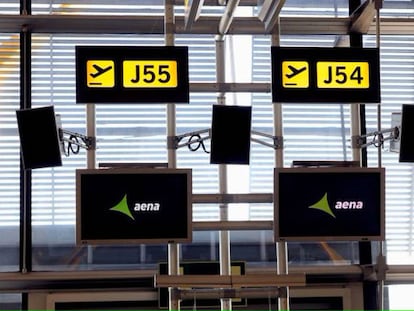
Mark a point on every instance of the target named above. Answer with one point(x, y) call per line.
point(100, 73)
point(347, 75)
point(150, 73)
point(295, 74)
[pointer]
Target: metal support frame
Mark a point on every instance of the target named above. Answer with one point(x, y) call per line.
point(362, 17)
point(277, 141)
point(215, 293)
point(192, 12)
point(269, 13)
point(359, 141)
point(195, 137)
point(230, 281)
point(81, 141)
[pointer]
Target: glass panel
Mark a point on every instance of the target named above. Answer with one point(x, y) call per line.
point(315, 8)
point(10, 152)
point(397, 68)
point(9, 7)
point(399, 297)
point(98, 7)
point(10, 301)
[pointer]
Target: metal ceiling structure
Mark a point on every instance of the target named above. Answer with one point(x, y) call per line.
point(194, 22)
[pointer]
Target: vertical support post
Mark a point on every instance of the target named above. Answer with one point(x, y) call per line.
point(91, 132)
point(91, 155)
point(26, 180)
point(173, 248)
point(224, 235)
point(358, 119)
point(281, 247)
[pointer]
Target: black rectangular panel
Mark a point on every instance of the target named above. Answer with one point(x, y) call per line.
point(314, 204)
point(133, 205)
point(230, 134)
point(39, 138)
point(132, 74)
point(342, 75)
point(406, 135)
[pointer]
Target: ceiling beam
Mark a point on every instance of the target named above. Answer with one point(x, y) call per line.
point(228, 16)
point(269, 13)
point(362, 17)
point(192, 12)
point(85, 24)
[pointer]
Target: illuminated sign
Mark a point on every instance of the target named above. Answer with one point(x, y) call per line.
point(325, 75)
point(150, 74)
point(132, 74)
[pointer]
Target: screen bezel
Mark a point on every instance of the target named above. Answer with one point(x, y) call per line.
point(279, 237)
point(80, 172)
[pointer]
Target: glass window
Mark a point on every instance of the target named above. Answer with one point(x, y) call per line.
point(9, 149)
point(397, 66)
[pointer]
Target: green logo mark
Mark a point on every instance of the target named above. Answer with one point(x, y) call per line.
point(323, 205)
point(123, 208)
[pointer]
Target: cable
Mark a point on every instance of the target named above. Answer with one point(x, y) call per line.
point(76, 143)
point(200, 143)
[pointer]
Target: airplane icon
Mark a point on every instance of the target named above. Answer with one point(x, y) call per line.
point(294, 71)
point(99, 70)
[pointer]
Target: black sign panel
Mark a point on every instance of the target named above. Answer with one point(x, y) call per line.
point(122, 205)
point(329, 204)
point(325, 75)
point(132, 74)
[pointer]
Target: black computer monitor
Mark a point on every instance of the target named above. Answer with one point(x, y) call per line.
point(406, 134)
point(230, 134)
point(133, 205)
point(329, 204)
point(39, 137)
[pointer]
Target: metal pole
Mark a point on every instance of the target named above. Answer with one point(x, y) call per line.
point(381, 257)
point(91, 132)
point(224, 235)
point(173, 248)
point(281, 247)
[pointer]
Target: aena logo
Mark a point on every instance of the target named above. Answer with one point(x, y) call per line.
point(123, 207)
point(323, 205)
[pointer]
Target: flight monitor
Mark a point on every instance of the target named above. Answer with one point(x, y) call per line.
point(230, 134)
point(133, 205)
point(407, 130)
point(329, 204)
point(39, 137)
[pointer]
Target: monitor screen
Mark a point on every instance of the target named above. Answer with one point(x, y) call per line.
point(316, 204)
point(230, 134)
point(407, 129)
point(39, 138)
point(137, 205)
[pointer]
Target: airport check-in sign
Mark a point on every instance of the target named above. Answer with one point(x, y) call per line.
point(325, 75)
point(132, 74)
